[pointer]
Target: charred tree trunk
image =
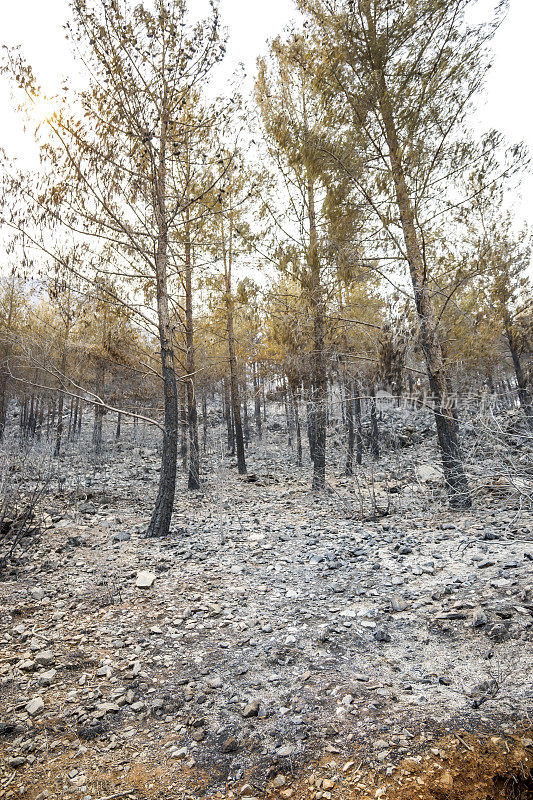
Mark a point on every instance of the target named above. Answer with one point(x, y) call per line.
point(246, 421)
point(70, 419)
point(99, 409)
point(204, 420)
point(445, 417)
point(182, 394)
point(257, 403)
point(288, 419)
point(374, 430)
point(61, 398)
point(234, 377)
point(162, 513)
point(229, 418)
point(350, 430)
point(295, 405)
point(193, 480)
point(523, 394)
point(358, 426)
point(319, 366)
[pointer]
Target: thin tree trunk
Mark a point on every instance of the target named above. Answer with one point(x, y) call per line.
point(295, 405)
point(263, 397)
point(310, 423)
point(4, 367)
point(246, 422)
point(445, 417)
point(523, 394)
point(193, 480)
point(70, 419)
point(374, 431)
point(348, 411)
point(358, 425)
point(229, 418)
point(234, 378)
point(257, 402)
point(288, 420)
point(204, 420)
point(61, 398)
point(72, 431)
point(99, 410)
point(319, 389)
point(162, 513)
point(182, 395)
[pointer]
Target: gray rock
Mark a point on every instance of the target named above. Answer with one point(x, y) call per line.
point(251, 709)
point(16, 761)
point(35, 706)
point(479, 618)
point(47, 678)
point(121, 536)
point(397, 604)
point(45, 658)
point(230, 745)
point(144, 579)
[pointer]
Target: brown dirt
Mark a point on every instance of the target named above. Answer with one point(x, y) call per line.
point(460, 766)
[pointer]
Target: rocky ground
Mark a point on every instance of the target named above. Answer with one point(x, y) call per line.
point(274, 635)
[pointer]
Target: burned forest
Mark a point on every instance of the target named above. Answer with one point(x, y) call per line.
point(266, 409)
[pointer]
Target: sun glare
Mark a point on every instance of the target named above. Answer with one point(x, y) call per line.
point(42, 109)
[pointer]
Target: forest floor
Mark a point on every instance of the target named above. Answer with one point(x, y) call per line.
point(281, 647)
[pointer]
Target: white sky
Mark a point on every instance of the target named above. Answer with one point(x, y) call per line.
point(505, 105)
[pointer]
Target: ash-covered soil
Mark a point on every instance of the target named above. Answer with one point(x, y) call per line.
point(272, 630)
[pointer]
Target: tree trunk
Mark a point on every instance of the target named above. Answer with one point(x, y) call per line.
point(119, 421)
point(319, 389)
point(257, 402)
point(374, 431)
point(182, 395)
point(60, 403)
point(263, 397)
point(358, 425)
point(72, 432)
point(4, 367)
point(246, 422)
point(445, 417)
point(288, 416)
point(310, 423)
point(523, 394)
point(295, 405)
point(348, 412)
point(162, 513)
point(70, 419)
point(99, 410)
point(204, 420)
point(193, 480)
point(229, 418)
point(234, 378)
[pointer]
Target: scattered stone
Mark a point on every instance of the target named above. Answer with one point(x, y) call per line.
point(479, 618)
point(144, 579)
point(16, 761)
point(35, 706)
point(230, 745)
point(381, 635)
point(45, 658)
point(47, 678)
point(251, 709)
